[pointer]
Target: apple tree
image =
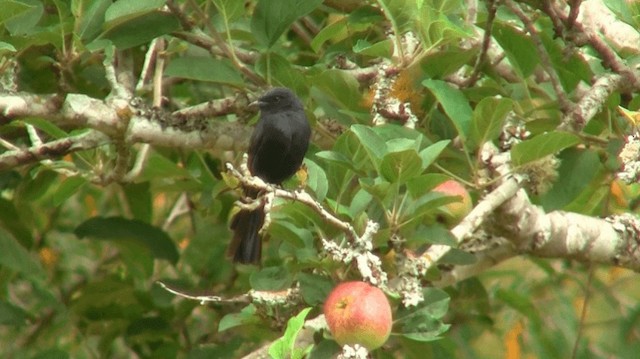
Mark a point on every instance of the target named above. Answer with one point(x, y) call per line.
point(477, 161)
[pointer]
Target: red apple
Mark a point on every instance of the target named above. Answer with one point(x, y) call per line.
point(358, 313)
point(456, 211)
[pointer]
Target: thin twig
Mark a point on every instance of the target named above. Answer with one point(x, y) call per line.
point(486, 43)
point(545, 60)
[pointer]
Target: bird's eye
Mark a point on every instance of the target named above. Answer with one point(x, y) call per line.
point(277, 98)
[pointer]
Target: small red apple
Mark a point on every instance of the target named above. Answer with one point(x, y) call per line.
point(459, 209)
point(358, 313)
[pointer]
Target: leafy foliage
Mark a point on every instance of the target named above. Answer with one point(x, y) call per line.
point(79, 257)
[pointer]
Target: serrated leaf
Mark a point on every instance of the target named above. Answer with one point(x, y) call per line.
point(152, 238)
point(454, 104)
point(271, 18)
point(204, 69)
point(541, 146)
point(488, 117)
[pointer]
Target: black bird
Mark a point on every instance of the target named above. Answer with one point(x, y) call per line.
point(276, 150)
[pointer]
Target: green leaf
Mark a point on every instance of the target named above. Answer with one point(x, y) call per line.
point(139, 200)
point(398, 167)
point(36, 188)
point(90, 16)
point(271, 279)
point(271, 18)
point(13, 222)
point(139, 28)
point(424, 323)
point(372, 143)
point(342, 91)
point(16, 258)
point(13, 9)
point(571, 68)
point(13, 315)
point(246, 316)
point(6, 47)
point(68, 188)
point(541, 146)
point(47, 126)
point(23, 22)
point(421, 185)
point(458, 257)
point(578, 172)
point(230, 10)
point(122, 10)
point(439, 64)
point(336, 30)
point(454, 104)
point(520, 302)
point(108, 297)
point(488, 117)
point(159, 166)
point(314, 288)
point(433, 234)
point(282, 72)
point(204, 69)
point(381, 49)
point(152, 238)
point(284, 347)
point(429, 154)
point(317, 180)
point(400, 13)
point(518, 46)
point(335, 157)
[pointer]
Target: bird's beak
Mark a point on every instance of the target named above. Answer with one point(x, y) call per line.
point(256, 104)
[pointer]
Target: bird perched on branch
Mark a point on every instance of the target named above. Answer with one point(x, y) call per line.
point(276, 150)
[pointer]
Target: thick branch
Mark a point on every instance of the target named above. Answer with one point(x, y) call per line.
point(560, 234)
point(592, 102)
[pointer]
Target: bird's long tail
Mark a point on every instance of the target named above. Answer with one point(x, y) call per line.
point(246, 245)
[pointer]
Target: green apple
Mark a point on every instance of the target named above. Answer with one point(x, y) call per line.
point(358, 313)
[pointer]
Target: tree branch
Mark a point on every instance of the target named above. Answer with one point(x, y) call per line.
point(51, 150)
